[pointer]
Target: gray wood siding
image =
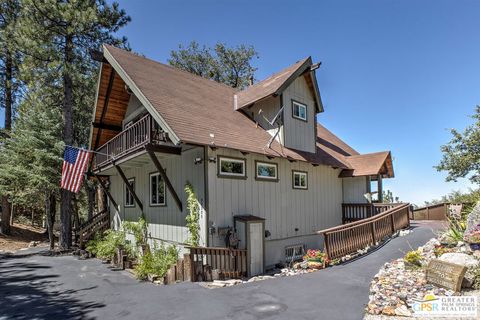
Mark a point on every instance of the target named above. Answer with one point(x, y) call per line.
point(134, 108)
point(283, 208)
point(299, 134)
point(166, 223)
point(354, 189)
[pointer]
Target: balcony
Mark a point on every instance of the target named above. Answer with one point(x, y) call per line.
point(141, 134)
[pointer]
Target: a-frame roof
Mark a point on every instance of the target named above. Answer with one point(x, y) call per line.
point(196, 110)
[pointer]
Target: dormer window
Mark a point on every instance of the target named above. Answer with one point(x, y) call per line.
point(299, 110)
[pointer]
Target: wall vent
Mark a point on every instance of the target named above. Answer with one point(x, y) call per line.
point(295, 252)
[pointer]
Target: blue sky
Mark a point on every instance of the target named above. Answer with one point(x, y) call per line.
point(395, 75)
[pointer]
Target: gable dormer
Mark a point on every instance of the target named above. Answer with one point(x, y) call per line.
point(285, 105)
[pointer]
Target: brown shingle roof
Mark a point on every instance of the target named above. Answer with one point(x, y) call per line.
point(370, 164)
point(196, 108)
point(268, 86)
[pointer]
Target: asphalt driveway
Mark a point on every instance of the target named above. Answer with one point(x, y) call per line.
point(37, 286)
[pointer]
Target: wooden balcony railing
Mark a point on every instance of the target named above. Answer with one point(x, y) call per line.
point(229, 263)
point(133, 138)
point(357, 211)
point(348, 238)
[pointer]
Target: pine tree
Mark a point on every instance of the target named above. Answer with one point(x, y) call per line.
point(9, 84)
point(56, 37)
point(31, 156)
point(229, 65)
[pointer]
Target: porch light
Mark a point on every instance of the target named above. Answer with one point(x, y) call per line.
point(212, 159)
point(197, 160)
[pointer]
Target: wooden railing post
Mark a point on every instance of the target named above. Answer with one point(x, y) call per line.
point(392, 221)
point(372, 229)
point(326, 245)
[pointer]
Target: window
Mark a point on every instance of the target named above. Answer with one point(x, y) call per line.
point(129, 201)
point(266, 171)
point(157, 190)
point(300, 180)
point(299, 110)
point(231, 168)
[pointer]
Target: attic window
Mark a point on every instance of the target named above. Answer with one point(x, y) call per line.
point(299, 110)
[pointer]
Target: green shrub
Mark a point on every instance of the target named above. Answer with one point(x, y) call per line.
point(156, 262)
point(138, 229)
point(456, 229)
point(413, 258)
point(476, 278)
point(107, 247)
point(193, 216)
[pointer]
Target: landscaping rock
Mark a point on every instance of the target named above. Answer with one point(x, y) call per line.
point(465, 260)
point(473, 218)
point(403, 311)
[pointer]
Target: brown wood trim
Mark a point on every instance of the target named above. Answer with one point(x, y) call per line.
point(164, 148)
point(109, 195)
point(105, 106)
point(306, 110)
point(165, 178)
point(226, 176)
point(125, 194)
point(263, 178)
point(150, 190)
point(105, 126)
point(293, 179)
point(129, 187)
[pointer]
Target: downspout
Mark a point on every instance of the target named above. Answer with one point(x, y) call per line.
point(205, 191)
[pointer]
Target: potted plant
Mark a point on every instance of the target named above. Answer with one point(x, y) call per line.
point(316, 259)
point(473, 238)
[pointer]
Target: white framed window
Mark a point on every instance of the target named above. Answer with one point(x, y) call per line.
point(157, 190)
point(266, 171)
point(299, 180)
point(129, 200)
point(232, 167)
point(299, 110)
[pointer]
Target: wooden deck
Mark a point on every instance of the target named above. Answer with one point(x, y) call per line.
point(143, 133)
point(357, 211)
point(348, 238)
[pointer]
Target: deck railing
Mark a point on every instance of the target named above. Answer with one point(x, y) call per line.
point(226, 262)
point(348, 238)
point(98, 223)
point(134, 137)
point(357, 211)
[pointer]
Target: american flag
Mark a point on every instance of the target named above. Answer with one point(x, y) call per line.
point(75, 163)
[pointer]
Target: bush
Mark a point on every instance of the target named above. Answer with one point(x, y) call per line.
point(456, 229)
point(156, 262)
point(138, 229)
point(413, 258)
point(107, 246)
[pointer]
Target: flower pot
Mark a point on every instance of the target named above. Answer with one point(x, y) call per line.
point(475, 246)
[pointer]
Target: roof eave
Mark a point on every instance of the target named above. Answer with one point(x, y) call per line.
point(138, 93)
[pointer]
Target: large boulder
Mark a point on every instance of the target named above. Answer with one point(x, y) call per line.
point(473, 218)
point(466, 260)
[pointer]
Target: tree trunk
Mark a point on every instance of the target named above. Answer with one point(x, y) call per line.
point(91, 198)
point(50, 216)
point(66, 196)
point(102, 204)
point(6, 208)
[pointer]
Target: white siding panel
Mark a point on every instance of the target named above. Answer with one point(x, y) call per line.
point(283, 208)
point(166, 223)
point(354, 190)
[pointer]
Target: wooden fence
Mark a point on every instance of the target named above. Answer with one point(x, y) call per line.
point(357, 211)
point(209, 264)
point(348, 238)
point(438, 211)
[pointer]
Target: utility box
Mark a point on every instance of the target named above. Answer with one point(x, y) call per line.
point(251, 233)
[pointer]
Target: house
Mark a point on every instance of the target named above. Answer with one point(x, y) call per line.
point(258, 160)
